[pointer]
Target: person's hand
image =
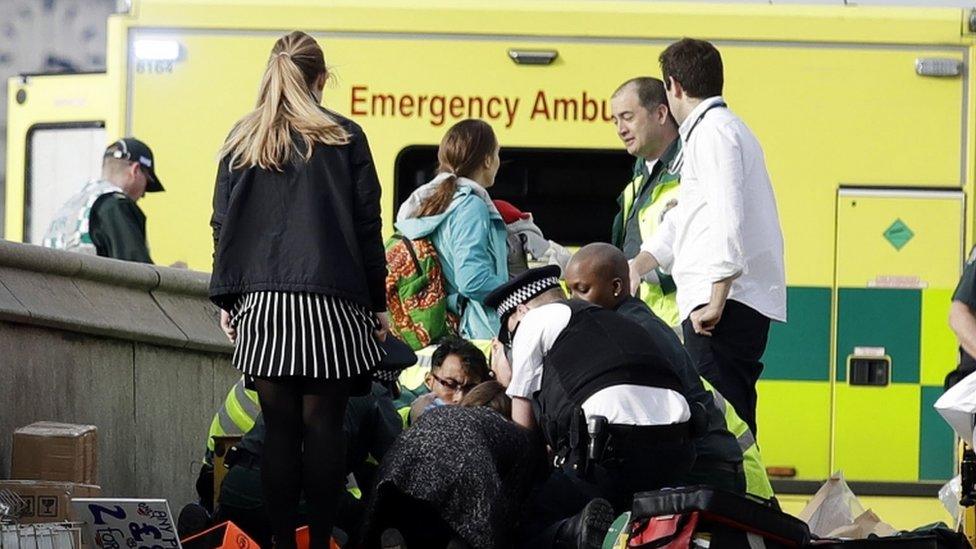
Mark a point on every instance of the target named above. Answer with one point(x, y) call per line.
point(226, 326)
point(635, 278)
point(499, 363)
point(705, 319)
point(384, 329)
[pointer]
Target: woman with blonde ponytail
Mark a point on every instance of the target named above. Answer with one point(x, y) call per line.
point(455, 212)
point(298, 273)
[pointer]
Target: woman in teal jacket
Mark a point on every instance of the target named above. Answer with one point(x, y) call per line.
point(455, 212)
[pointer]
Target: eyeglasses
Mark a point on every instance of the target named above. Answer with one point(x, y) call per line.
point(452, 385)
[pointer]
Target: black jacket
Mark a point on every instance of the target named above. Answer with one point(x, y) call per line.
point(313, 227)
point(717, 444)
point(118, 228)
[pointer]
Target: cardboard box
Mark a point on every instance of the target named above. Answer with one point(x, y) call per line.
point(55, 451)
point(47, 501)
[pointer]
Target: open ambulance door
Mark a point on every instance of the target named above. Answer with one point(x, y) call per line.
point(55, 139)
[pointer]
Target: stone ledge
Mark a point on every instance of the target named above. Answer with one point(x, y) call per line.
point(108, 297)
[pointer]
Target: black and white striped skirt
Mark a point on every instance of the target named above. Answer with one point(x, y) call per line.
point(303, 334)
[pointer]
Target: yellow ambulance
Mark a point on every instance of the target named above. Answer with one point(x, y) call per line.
point(866, 116)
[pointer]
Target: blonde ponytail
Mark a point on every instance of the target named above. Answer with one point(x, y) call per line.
point(285, 109)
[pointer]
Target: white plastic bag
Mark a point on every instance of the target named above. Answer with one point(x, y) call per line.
point(834, 506)
point(958, 405)
point(949, 495)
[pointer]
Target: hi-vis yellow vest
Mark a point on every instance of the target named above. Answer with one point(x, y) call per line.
point(757, 481)
point(236, 415)
point(663, 197)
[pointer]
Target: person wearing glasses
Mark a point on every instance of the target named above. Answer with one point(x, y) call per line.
point(457, 366)
point(103, 217)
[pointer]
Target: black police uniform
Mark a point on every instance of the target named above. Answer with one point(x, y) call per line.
point(719, 462)
point(598, 349)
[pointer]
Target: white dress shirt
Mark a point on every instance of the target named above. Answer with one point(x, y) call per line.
point(726, 222)
point(620, 404)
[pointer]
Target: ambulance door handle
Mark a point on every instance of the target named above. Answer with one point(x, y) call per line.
point(936, 66)
point(533, 57)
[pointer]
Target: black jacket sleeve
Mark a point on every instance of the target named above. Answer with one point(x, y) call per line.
point(220, 199)
point(118, 229)
point(366, 218)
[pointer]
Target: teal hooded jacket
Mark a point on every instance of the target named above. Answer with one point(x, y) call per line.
point(470, 239)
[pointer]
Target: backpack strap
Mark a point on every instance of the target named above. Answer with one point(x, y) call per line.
point(410, 249)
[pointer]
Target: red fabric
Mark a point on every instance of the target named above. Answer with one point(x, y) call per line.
point(510, 213)
point(302, 539)
point(665, 532)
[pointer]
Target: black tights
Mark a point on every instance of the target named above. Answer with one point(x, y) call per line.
point(304, 449)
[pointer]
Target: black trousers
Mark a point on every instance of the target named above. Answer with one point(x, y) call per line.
point(730, 358)
point(638, 466)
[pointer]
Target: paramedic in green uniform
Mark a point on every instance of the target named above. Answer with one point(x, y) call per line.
point(649, 132)
point(103, 217)
point(962, 320)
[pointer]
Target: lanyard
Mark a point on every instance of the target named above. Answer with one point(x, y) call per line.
point(702, 115)
point(678, 162)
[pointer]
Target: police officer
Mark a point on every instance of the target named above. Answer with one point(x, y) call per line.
point(598, 273)
point(611, 406)
point(649, 132)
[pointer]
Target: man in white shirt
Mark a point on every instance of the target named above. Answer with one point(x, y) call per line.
point(722, 243)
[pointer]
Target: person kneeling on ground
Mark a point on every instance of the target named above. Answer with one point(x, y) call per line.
point(457, 366)
point(614, 411)
point(371, 424)
point(598, 273)
point(458, 478)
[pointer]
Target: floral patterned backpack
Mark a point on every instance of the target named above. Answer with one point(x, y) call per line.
point(415, 293)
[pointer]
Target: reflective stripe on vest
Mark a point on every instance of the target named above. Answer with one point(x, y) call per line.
point(236, 415)
point(757, 481)
point(663, 197)
point(71, 225)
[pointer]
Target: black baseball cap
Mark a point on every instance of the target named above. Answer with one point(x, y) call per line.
point(130, 148)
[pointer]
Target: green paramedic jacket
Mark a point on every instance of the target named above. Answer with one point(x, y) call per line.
point(100, 220)
point(646, 199)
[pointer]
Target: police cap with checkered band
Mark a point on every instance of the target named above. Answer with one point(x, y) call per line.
point(519, 290)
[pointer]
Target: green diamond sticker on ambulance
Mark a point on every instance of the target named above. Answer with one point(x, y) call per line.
point(898, 234)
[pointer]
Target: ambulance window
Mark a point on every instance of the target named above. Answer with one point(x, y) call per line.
point(60, 159)
point(572, 193)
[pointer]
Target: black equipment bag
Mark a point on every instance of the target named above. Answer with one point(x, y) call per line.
point(727, 517)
